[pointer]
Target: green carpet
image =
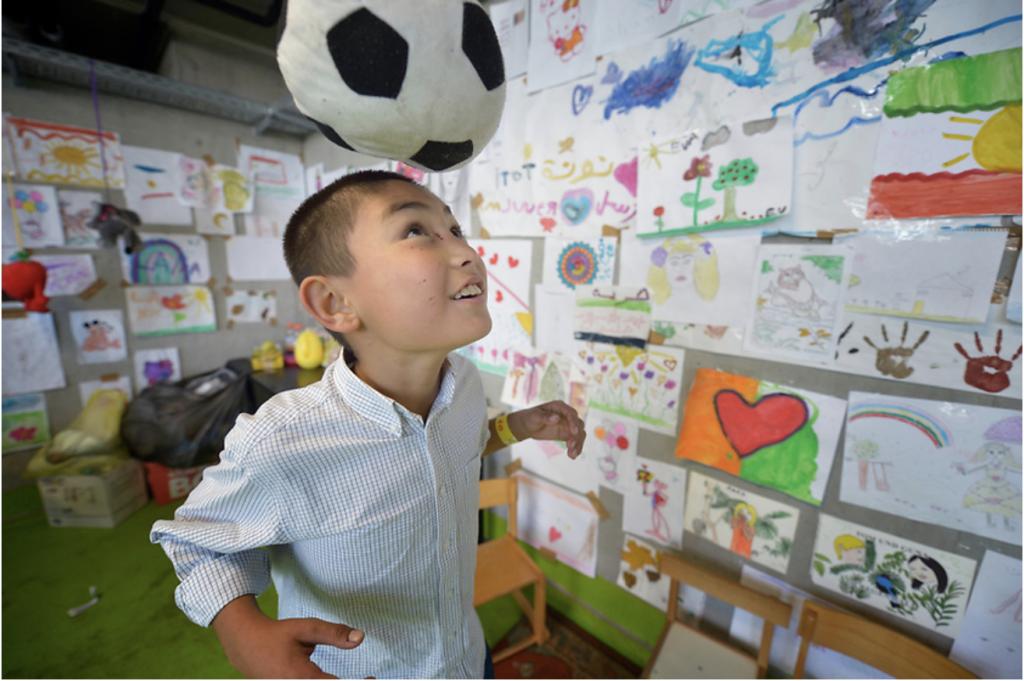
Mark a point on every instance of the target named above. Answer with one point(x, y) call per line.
point(135, 631)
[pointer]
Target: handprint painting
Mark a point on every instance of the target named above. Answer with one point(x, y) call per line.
point(767, 434)
point(952, 465)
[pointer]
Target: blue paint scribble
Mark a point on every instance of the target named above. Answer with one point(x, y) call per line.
point(148, 169)
point(613, 75)
point(946, 57)
point(652, 85)
point(755, 46)
point(825, 101)
point(886, 61)
point(866, 30)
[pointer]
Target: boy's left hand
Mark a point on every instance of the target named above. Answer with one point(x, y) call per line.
point(550, 421)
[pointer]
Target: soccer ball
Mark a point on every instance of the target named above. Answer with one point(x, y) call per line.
point(419, 82)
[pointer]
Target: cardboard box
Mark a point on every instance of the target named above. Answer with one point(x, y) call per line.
point(167, 484)
point(94, 500)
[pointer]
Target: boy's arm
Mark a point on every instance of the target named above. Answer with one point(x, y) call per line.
point(261, 647)
point(550, 421)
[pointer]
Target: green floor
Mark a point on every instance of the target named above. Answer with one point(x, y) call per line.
point(135, 631)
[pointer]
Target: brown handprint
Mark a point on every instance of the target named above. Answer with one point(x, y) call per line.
point(988, 372)
point(893, 361)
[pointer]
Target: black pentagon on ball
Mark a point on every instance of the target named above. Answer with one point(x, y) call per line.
point(371, 57)
point(440, 156)
point(330, 134)
point(481, 47)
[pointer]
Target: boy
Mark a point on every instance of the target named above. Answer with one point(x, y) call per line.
point(364, 486)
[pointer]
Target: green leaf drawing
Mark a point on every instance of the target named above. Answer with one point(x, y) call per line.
point(831, 265)
point(766, 267)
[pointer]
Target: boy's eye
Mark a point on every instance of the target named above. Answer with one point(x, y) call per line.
point(415, 230)
point(457, 231)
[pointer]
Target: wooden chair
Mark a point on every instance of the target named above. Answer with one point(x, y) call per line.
point(503, 567)
point(684, 652)
point(874, 644)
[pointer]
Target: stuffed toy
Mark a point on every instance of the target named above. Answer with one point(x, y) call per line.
point(422, 83)
point(111, 222)
point(25, 280)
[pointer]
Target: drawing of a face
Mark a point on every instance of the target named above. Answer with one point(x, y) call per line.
point(679, 268)
point(921, 572)
point(411, 263)
point(790, 278)
point(854, 556)
point(995, 454)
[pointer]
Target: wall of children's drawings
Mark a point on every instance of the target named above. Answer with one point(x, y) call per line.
point(767, 251)
point(170, 310)
point(805, 361)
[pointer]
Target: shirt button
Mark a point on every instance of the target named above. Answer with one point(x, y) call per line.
point(451, 592)
point(442, 490)
point(447, 544)
point(451, 636)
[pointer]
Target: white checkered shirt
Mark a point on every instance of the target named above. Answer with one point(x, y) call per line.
point(368, 516)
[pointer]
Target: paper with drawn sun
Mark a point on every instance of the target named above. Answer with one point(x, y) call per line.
point(951, 139)
point(66, 154)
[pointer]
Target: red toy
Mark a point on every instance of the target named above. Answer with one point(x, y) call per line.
point(25, 280)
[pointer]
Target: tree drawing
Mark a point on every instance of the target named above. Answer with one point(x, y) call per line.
point(739, 172)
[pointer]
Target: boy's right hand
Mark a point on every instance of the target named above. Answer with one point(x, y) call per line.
point(264, 648)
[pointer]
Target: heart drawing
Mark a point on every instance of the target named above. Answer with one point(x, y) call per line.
point(750, 427)
point(576, 205)
point(625, 173)
point(554, 535)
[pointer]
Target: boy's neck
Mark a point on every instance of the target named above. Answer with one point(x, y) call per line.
point(413, 382)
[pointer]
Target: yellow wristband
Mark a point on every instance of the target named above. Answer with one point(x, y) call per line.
point(504, 432)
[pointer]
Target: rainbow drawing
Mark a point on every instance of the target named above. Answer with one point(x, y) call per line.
point(933, 430)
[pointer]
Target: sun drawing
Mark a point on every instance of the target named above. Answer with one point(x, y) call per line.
point(73, 158)
point(997, 145)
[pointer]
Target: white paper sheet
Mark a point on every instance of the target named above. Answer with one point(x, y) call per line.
point(750, 525)
point(654, 502)
point(989, 643)
point(1013, 302)
point(67, 274)
point(799, 293)
point(921, 584)
point(38, 213)
point(552, 318)
point(562, 45)
point(626, 23)
point(510, 23)
point(508, 263)
point(942, 276)
point(701, 278)
point(163, 310)
point(550, 460)
point(250, 307)
point(610, 448)
point(560, 521)
point(151, 186)
point(65, 154)
point(76, 210)
point(953, 465)
point(31, 355)
point(155, 365)
point(164, 259)
point(99, 336)
point(253, 258)
point(619, 315)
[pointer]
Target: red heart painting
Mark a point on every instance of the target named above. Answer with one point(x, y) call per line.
point(548, 224)
point(513, 262)
point(770, 420)
point(554, 535)
point(494, 259)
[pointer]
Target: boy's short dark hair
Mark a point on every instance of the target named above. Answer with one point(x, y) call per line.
point(316, 238)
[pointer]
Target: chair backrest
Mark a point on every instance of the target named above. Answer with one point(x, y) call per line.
point(498, 492)
point(728, 590)
point(872, 643)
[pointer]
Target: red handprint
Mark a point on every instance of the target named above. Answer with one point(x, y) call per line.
point(989, 372)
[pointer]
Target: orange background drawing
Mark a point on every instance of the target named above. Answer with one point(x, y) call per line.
point(701, 438)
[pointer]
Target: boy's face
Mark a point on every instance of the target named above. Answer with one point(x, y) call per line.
point(417, 286)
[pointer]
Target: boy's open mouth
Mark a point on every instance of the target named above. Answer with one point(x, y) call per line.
point(470, 291)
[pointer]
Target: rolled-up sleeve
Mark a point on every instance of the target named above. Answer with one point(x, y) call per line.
point(215, 538)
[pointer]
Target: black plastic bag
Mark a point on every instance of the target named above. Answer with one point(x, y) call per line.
point(184, 423)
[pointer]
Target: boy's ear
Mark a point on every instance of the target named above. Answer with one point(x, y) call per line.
point(324, 298)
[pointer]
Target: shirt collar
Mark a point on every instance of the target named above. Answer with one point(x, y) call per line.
point(379, 408)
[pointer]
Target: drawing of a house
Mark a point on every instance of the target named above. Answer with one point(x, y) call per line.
point(943, 295)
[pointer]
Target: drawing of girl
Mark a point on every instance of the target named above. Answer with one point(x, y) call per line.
point(683, 263)
point(994, 494)
point(743, 531)
point(849, 549)
point(924, 570)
